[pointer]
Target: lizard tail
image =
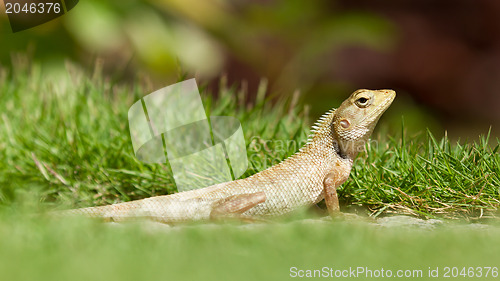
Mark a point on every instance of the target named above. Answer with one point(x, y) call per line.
point(115, 212)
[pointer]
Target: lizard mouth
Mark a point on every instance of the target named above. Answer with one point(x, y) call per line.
point(382, 108)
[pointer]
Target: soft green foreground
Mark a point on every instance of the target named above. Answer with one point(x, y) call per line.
point(41, 249)
point(64, 142)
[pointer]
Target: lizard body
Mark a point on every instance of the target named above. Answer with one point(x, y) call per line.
point(305, 178)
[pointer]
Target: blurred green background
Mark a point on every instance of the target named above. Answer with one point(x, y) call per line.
point(442, 57)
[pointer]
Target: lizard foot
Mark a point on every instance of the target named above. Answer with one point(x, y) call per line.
point(234, 206)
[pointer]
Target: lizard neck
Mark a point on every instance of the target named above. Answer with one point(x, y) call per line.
point(324, 142)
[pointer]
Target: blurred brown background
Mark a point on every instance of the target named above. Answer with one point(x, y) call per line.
point(441, 56)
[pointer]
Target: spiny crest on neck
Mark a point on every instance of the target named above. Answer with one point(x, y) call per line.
point(320, 129)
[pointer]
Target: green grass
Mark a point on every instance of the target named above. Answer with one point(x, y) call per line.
point(427, 177)
point(67, 139)
point(64, 143)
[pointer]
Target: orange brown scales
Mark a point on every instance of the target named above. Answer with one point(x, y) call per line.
point(307, 177)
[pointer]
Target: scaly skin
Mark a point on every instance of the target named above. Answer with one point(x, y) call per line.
point(314, 173)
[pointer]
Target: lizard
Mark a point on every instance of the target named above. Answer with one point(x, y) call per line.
point(312, 174)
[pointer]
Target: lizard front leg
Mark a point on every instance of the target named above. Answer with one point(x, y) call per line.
point(234, 206)
point(330, 184)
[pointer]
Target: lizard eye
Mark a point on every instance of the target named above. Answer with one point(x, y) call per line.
point(362, 102)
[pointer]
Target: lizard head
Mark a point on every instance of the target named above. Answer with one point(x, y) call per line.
point(356, 118)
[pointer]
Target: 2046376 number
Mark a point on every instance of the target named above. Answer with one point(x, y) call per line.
point(32, 8)
point(480, 271)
